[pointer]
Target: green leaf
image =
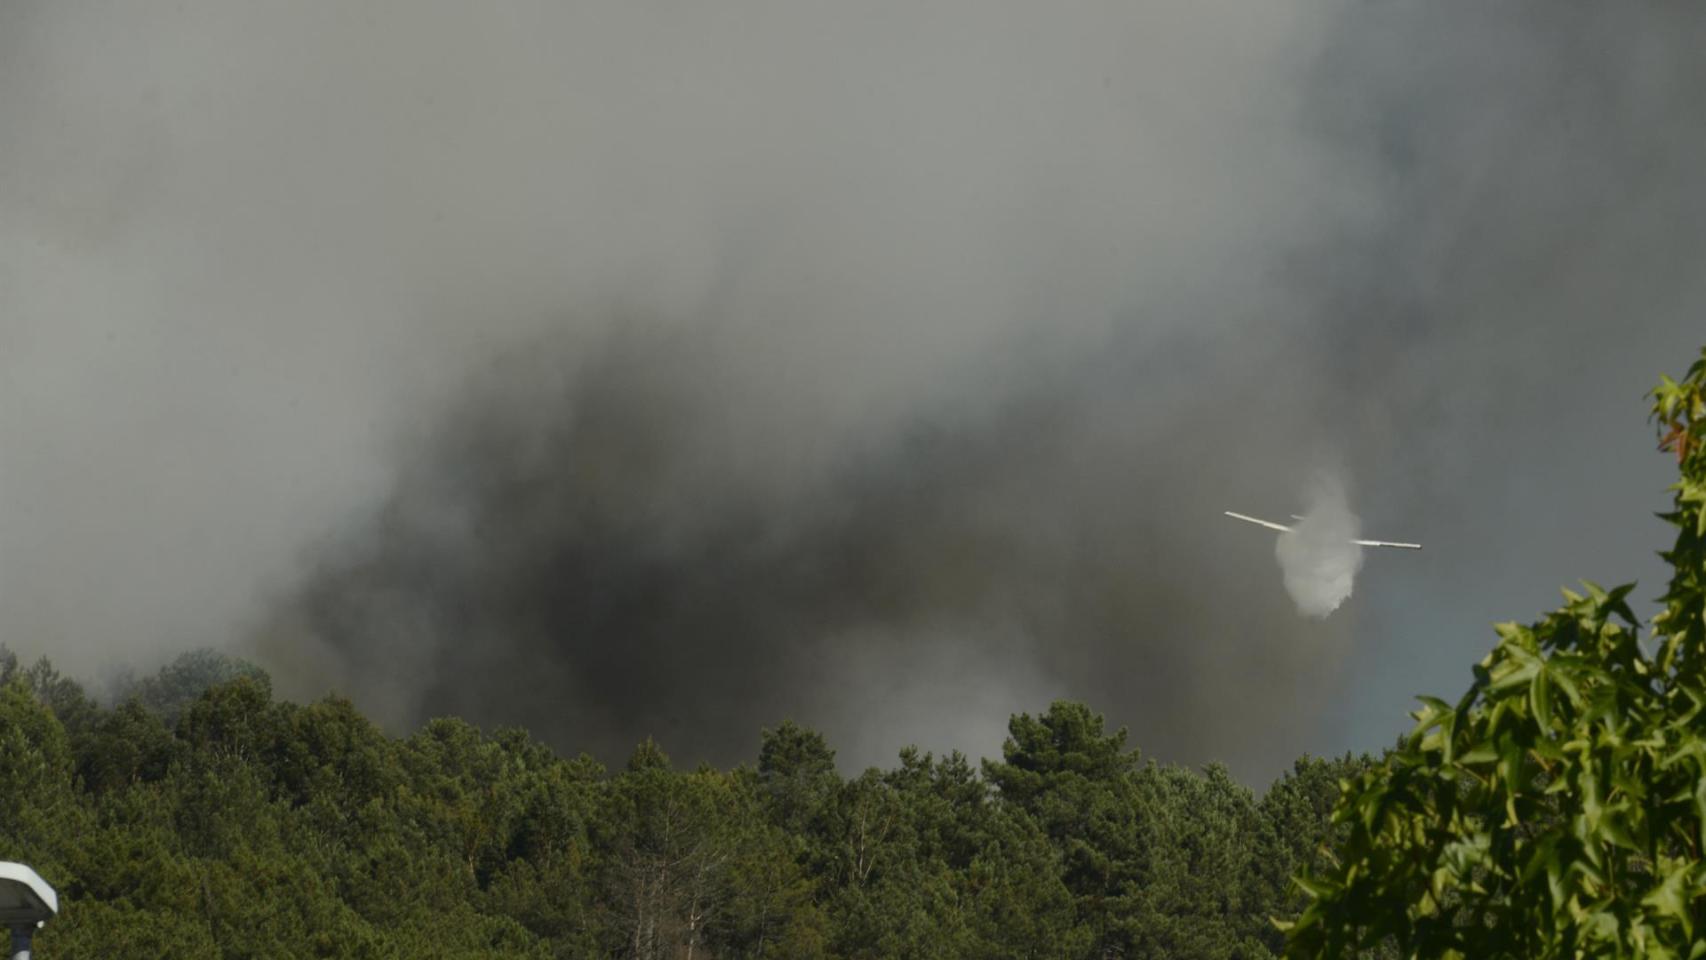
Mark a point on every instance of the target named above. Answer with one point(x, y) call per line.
point(1540, 698)
point(1668, 899)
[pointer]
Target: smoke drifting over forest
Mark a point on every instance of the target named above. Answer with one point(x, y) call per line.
point(623, 368)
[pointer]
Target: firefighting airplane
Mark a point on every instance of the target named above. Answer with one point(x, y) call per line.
point(1282, 528)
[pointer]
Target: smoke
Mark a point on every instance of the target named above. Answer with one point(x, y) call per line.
point(1319, 555)
point(628, 367)
point(591, 555)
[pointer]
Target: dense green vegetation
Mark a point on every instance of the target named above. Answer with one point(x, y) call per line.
point(214, 821)
point(1558, 809)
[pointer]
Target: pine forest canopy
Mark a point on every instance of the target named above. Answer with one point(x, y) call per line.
point(253, 827)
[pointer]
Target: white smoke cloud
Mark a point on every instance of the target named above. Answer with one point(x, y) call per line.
point(1318, 557)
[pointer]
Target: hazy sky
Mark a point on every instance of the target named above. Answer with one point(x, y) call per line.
point(627, 367)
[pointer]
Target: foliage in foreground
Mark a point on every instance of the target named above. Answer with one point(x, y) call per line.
point(1558, 809)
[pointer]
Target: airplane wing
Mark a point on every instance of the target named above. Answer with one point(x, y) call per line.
point(1387, 543)
point(1282, 528)
point(1260, 523)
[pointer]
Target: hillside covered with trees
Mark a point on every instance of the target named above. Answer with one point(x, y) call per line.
point(215, 821)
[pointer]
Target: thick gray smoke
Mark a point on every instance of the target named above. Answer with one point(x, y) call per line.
point(1319, 555)
point(628, 367)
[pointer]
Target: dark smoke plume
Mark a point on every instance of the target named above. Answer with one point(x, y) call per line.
point(575, 554)
point(628, 367)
